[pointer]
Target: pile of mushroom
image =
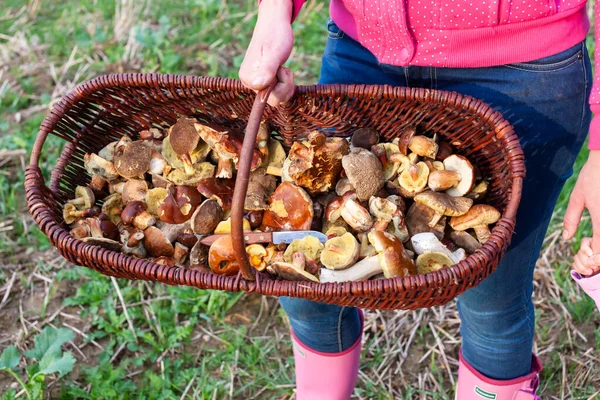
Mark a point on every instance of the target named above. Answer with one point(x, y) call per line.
point(388, 209)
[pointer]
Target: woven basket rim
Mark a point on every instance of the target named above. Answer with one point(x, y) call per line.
point(179, 275)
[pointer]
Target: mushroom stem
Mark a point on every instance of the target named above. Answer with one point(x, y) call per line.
point(381, 224)
point(435, 219)
point(224, 168)
point(299, 260)
point(361, 271)
point(271, 170)
point(187, 164)
point(483, 233)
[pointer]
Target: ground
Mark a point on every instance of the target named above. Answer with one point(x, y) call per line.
point(155, 341)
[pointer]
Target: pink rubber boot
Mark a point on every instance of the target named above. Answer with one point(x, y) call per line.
point(326, 376)
point(474, 386)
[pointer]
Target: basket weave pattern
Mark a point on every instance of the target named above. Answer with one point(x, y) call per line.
point(106, 108)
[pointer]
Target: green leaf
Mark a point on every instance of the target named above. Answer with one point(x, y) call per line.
point(49, 341)
point(10, 358)
point(50, 364)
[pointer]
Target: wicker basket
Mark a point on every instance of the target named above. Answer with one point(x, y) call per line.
point(106, 108)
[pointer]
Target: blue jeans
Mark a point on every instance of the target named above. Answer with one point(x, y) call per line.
point(546, 101)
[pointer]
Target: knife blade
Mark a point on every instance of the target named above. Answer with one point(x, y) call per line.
point(269, 237)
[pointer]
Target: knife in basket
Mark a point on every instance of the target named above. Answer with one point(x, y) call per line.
point(269, 237)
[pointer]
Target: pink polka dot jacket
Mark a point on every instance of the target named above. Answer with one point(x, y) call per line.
point(467, 33)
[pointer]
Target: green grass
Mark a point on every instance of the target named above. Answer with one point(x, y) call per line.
point(210, 345)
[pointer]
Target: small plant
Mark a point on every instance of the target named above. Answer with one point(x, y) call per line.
point(46, 358)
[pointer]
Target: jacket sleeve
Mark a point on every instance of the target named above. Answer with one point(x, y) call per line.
point(296, 6)
point(594, 143)
point(589, 285)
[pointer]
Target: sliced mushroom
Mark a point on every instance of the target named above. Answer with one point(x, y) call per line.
point(423, 146)
point(309, 246)
point(260, 187)
point(221, 257)
point(364, 171)
point(413, 180)
point(478, 218)
point(290, 209)
point(156, 243)
point(361, 271)
point(444, 204)
point(340, 252)
point(432, 261)
point(132, 159)
point(393, 258)
point(206, 217)
point(365, 138)
point(97, 165)
point(316, 163)
point(463, 167)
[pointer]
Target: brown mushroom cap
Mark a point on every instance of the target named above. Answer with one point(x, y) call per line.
point(365, 138)
point(260, 187)
point(290, 209)
point(423, 146)
point(464, 240)
point(444, 204)
point(179, 204)
point(291, 272)
point(218, 189)
point(443, 180)
point(393, 258)
point(132, 160)
point(405, 138)
point(156, 243)
point(478, 218)
point(465, 170)
point(418, 220)
point(183, 136)
point(340, 252)
point(365, 172)
point(316, 163)
point(197, 155)
point(206, 217)
point(108, 244)
point(221, 257)
point(199, 254)
point(134, 190)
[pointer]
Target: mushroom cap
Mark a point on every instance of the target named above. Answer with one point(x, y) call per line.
point(221, 257)
point(290, 209)
point(179, 204)
point(225, 226)
point(70, 213)
point(108, 244)
point(183, 136)
point(154, 199)
point(134, 190)
point(356, 216)
point(132, 160)
point(479, 191)
point(423, 146)
point(418, 218)
point(218, 139)
point(198, 154)
point(316, 163)
point(365, 172)
point(444, 150)
point(382, 208)
point(466, 172)
point(96, 165)
point(440, 180)
point(156, 243)
point(390, 158)
point(132, 210)
point(340, 252)
point(309, 246)
point(464, 240)
point(202, 170)
point(113, 206)
point(432, 261)
point(258, 256)
point(393, 258)
point(87, 194)
point(108, 151)
point(206, 217)
point(218, 189)
point(444, 204)
point(405, 138)
point(365, 138)
point(291, 272)
point(343, 186)
point(414, 179)
point(276, 154)
point(260, 187)
point(478, 215)
point(199, 254)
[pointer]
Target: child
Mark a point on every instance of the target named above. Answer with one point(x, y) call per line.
point(525, 58)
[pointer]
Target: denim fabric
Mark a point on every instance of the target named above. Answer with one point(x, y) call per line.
point(546, 101)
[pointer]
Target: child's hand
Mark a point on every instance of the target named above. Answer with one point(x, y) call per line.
point(585, 262)
point(269, 48)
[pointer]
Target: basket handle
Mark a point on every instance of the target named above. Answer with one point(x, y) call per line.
point(241, 182)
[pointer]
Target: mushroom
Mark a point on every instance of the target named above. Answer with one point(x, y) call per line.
point(398, 227)
point(97, 165)
point(260, 187)
point(199, 254)
point(413, 180)
point(366, 248)
point(390, 157)
point(101, 226)
point(258, 256)
point(105, 243)
point(393, 258)
point(197, 155)
point(153, 138)
point(172, 231)
point(427, 242)
point(99, 186)
point(352, 212)
point(383, 210)
point(180, 254)
point(364, 171)
point(134, 190)
point(193, 175)
point(432, 261)
point(225, 226)
point(463, 167)
point(316, 163)
point(156, 243)
point(464, 240)
point(71, 213)
point(157, 163)
point(290, 209)
point(335, 231)
point(443, 204)
point(135, 214)
point(164, 260)
point(478, 218)
point(440, 181)
point(340, 252)
point(132, 159)
point(309, 246)
point(221, 257)
point(108, 151)
point(84, 198)
point(292, 272)
point(255, 218)
point(154, 198)
point(184, 138)
point(132, 240)
point(361, 271)
point(219, 189)
point(187, 238)
point(206, 217)
point(418, 218)
point(276, 157)
point(405, 137)
point(444, 150)
point(479, 191)
point(179, 204)
point(80, 229)
point(113, 206)
point(365, 138)
point(423, 146)
point(343, 186)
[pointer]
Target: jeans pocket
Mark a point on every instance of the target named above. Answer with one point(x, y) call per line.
point(333, 31)
point(555, 62)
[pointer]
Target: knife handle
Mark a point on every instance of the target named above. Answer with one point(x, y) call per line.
point(249, 238)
